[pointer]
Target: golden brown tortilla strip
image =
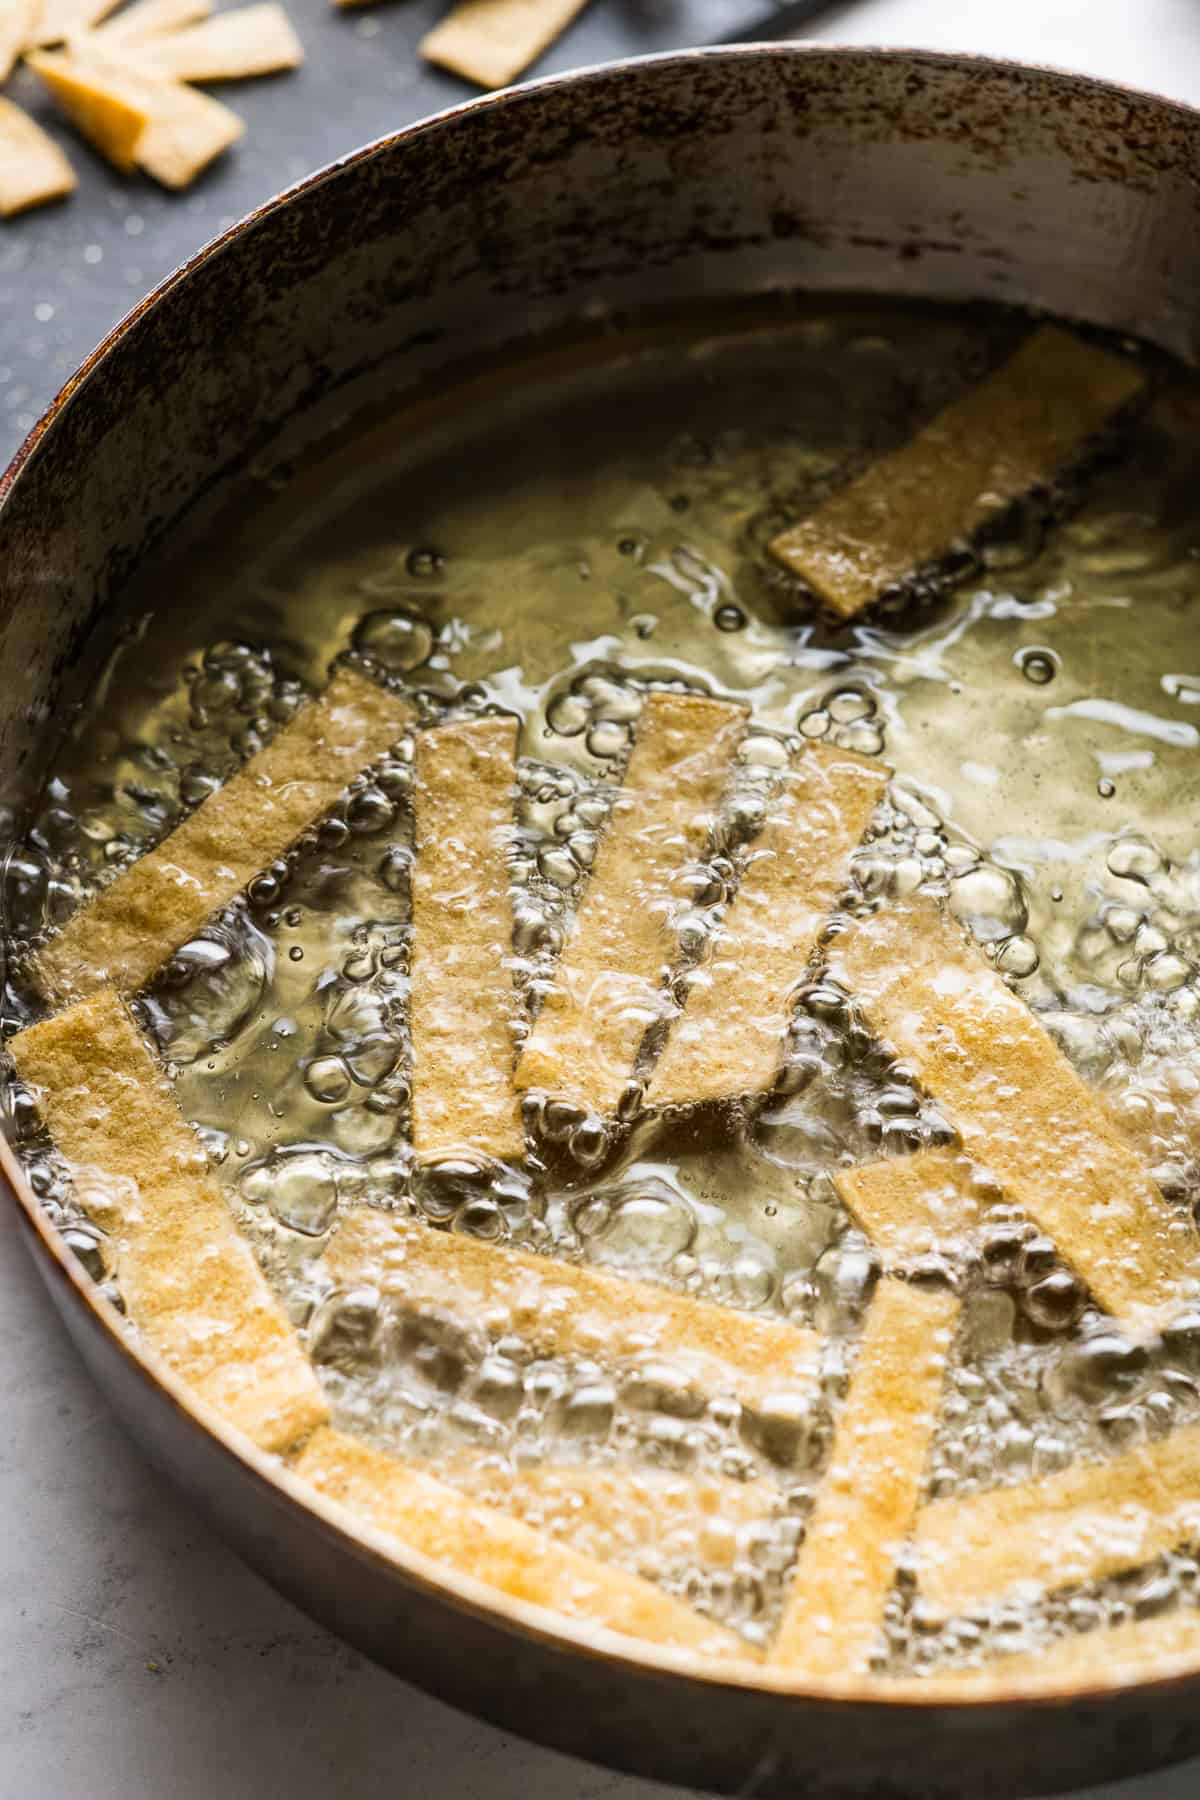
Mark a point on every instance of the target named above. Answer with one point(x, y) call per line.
point(148, 18)
point(462, 1003)
point(869, 1496)
point(563, 1309)
point(1012, 432)
point(615, 1513)
point(189, 1281)
point(136, 120)
point(130, 929)
point(32, 167)
point(729, 1038)
point(1138, 1651)
point(608, 987)
point(1018, 1105)
point(17, 21)
point(490, 42)
point(253, 40)
point(909, 1204)
point(428, 1516)
point(1089, 1522)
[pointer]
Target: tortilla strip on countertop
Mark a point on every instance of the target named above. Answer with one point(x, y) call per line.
point(871, 1489)
point(491, 42)
point(462, 1002)
point(728, 1040)
point(1012, 432)
point(909, 1204)
point(1019, 1107)
point(56, 20)
point(1083, 1524)
point(145, 19)
point(17, 19)
point(608, 987)
point(428, 1516)
point(189, 1280)
point(249, 40)
point(32, 167)
point(132, 926)
point(567, 1309)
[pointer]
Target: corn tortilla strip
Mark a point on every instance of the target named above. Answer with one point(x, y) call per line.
point(621, 1513)
point(17, 20)
point(1012, 432)
point(462, 1004)
point(189, 1281)
point(491, 42)
point(106, 114)
point(57, 20)
point(608, 988)
point(729, 1038)
point(1138, 1651)
point(428, 1516)
point(563, 1309)
point(124, 935)
point(869, 1496)
point(1018, 1105)
point(1084, 1524)
point(32, 167)
point(909, 1204)
point(253, 40)
point(147, 19)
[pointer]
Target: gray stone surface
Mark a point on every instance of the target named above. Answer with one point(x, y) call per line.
point(137, 1658)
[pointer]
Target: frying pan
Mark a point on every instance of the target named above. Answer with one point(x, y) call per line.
point(606, 192)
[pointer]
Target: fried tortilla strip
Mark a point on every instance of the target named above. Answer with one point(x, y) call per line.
point(563, 1309)
point(1139, 1651)
point(909, 1204)
point(867, 1501)
point(428, 1516)
point(57, 20)
point(1012, 432)
point(189, 1281)
point(146, 19)
point(462, 1004)
point(615, 1514)
point(729, 1039)
point(491, 42)
point(137, 120)
point(130, 929)
point(1084, 1524)
point(1019, 1106)
point(253, 40)
point(17, 21)
point(32, 167)
point(608, 987)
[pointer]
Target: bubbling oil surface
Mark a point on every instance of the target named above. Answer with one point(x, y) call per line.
point(555, 546)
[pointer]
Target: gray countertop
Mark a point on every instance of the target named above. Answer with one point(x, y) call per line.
point(137, 1657)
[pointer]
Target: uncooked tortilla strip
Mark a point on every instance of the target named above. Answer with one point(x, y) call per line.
point(563, 1309)
point(491, 42)
point(1012, 432)
point(1018, 1105)
point(57, 20)
point(1143, 1650)
point(148, 18)
point(253, 40)
point(462, 1003)
point(868, 1498)
point(622, 1513)
point(123, 936)
point(16, 33)
point(189, 1281)
point(608, 987)
point(1084, 1524)
point(475, 1540)
point(32, 167)
point(729, 1039)
point(910, 1204)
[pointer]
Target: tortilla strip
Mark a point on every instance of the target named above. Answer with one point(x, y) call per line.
point(61, 19)
point(1019, 1106)
point(1113, 1657)
point(32, 167)
point(124, 935)
point(608, 987)
point(17, 19)
point(729, 1039)
point(462, 1003)
point(428, 1516)
point(253, 40)
point(909, 1204)
point(867, 1501)
point(491, 42)
point(1012, 432)
point(564, 1309)
point(146, 19)
point(188, 1279)
point(135, 120)
point(613, 1513)
point(1086, 1523)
